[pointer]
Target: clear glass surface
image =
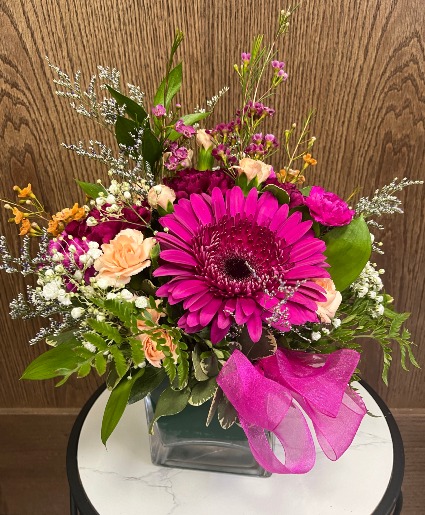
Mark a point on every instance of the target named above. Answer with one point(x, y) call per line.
point(183, 441)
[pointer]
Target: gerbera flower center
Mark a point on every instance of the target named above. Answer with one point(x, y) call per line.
point(237, 268)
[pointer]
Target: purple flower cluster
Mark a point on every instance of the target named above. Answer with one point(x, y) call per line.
point(279, 67)
point(187, 130)
point(158, 110)
point(261, 145)
point(186, 182)
point(246, 57)
point(327, 208)
point(257, 110)
point(176, 157)
point(222, 153)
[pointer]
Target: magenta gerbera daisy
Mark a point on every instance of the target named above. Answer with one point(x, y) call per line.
point(243, 260)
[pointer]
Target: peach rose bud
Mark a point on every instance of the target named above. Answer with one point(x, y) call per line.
point(254, 169)
point(326, 310)
point(203, 139)
point(124, 256)
point(160, 195)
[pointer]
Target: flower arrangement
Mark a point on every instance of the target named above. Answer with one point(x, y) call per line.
point(205, 267)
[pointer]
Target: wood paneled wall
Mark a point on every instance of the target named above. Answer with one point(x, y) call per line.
point(360, 63)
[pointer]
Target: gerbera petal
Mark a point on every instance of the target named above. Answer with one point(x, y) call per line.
point(166, 270)
point(235, 201)
point(218, 333)
point(279, 217)
point(209, 311)
point(251, 202)
point(201, 209)
point(217, 204)
point(255, 327)
point(295, 232)
point(266, 208)
point(178, 256)
point(189, 287)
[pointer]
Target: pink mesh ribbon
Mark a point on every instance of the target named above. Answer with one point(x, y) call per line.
point(264, 395)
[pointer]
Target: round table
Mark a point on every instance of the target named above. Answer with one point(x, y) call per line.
point(121, 480)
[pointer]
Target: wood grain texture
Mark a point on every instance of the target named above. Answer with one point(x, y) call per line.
point(360, 63)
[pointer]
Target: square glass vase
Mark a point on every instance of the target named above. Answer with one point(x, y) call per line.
point(184, 441)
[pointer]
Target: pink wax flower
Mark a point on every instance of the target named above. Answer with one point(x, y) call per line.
point(158, 110)
point(327, 208)
point(225, 251)
point(186, 130)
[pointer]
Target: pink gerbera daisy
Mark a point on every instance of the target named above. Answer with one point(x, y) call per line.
point(240, 259)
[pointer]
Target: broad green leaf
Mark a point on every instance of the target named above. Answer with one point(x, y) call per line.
point(116, 405)
point(203, 391)
point(227, 415)
point(55, 362)
point(146, 384)
point(121, 364)
point(125, 130)
point(188, 119)
point(91, 190)
point(132, 108)
point(64, 337)
point(151, 147)
point(348, 250)
point(170, 402)
point(280, 194)
point(266, 346)
point(306, 190)
point(205, 159)
point(173, 87)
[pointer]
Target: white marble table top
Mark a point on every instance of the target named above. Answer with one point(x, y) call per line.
point(121, 479)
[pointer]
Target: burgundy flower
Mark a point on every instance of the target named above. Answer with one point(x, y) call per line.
point(108, 226)
point(327, 208)
point(240, 259)
point(186, 182)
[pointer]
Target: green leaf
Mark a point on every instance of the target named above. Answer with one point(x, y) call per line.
point(55, 362)
point(96, 340)
point(170, 402)
point(146, 384)
point(174, 84)
point(203, 391)
point(84, 370)
point(137, 354)
point(100, 363)
point(125, 130)
point(121, 364)
point(200, 375)
point(132, 108)
point(188, 119)
point(348, 250)
point(64, 337)
point(151, 147)
point(266, 346)
point(306, 190)
point(105, 329)
point(279, 193)
point(116, 405)
point(209, 364)
point(227, 415)
point(121, 309)
point(205, 159)
point(91, 190)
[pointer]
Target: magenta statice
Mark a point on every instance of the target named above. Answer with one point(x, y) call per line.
point(210, 268)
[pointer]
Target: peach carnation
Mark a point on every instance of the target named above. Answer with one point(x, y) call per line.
point(326, 310)
point(153, 355)
point(124, 256)
point(254, 169)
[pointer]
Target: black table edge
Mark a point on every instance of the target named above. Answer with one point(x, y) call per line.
point(390, 503)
